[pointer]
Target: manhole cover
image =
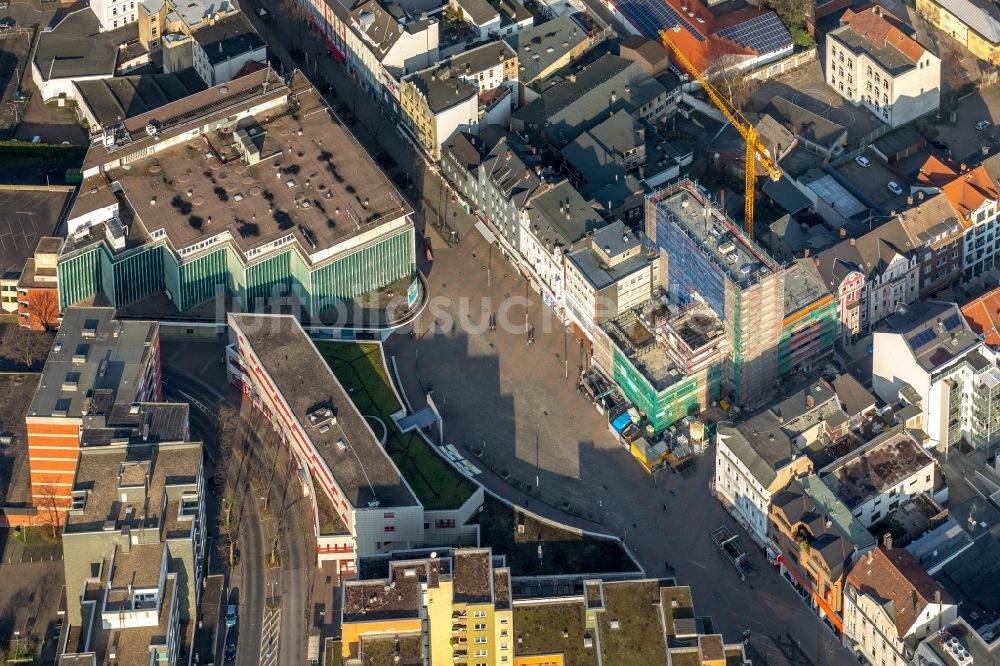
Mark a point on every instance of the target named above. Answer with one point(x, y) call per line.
point(155, 169)
point(198, 201)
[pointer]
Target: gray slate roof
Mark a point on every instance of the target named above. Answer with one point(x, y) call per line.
point(123, 97)
point(228, 38)
point(560, 216)
point(539, 46)
point(581, 101)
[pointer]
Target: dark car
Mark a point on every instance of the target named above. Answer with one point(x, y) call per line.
point(940, 145)
point(230, 655)
point(7, 23)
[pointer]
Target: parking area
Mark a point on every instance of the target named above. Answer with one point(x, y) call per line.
point(963, 138)
point(26, 217)
point(14, 48)
point(15, 482)
point(30, 595)
point(873, 180)
point(805, 87)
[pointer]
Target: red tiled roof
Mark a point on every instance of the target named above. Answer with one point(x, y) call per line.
point(703, 53)
point(878, 26)
point(894, 576)
point(983, 315)
point(935, 173)
point(968, 192)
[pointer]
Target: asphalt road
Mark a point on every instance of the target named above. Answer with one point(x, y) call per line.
point(247, 580)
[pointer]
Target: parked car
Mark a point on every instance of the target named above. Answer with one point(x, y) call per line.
point(230, 654)
point(940, 145)
point(982, 124)
point(7, 23)
point(4, 4)
point(863, 161)
point(231, 615)
point(894, 188)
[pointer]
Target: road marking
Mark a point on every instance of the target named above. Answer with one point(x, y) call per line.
point(269, 637)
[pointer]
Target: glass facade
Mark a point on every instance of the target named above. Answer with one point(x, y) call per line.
point(133, 276)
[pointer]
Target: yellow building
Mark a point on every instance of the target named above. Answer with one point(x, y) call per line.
point(458, 93)
point(459, 609)
point(975, 24)
point(460, 604)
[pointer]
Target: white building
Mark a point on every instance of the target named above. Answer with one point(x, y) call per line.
point(890, 604)
point(114, 14)
point(216, 51)
point(760, 456)
point(555, 219)
point(361, 503)
point(379, 42)
point(606, 277)
point(974, 195)
point(927, 355)
point(882, 475)
point(873, 62)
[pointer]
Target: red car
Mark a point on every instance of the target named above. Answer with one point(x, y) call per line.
point(427, 250)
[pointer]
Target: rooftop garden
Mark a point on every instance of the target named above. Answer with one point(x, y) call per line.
point(562, 550)
point(359, 368)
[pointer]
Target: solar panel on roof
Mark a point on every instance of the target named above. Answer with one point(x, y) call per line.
point(764, 34)
point(922, 338)
point(651, 16)
point(952, 322)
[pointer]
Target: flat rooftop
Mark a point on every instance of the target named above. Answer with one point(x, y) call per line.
point(27, 218)
point(228, 38)
point(76, 47)
point(314, 182)
point(541, 46)
point(122, 97)
point(359, 464)
point(100, 473)
point(876, 468)
point(473, 576)
point(395, 596)
point(637, 340)
point(717, 236)
point(803, 286)
point(94, 354)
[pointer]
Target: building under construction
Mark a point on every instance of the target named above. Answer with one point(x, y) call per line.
point(704, 256)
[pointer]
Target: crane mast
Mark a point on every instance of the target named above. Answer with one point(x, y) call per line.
point(755, 149)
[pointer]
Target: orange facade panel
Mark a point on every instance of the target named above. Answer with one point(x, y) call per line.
point(62, 481)
point(49, 428)
point(60, 441)
point(41, 463)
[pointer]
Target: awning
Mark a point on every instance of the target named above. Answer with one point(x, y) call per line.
point(484, 230)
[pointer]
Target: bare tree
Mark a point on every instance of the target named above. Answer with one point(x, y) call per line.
point(52, 506)
point(22, 345)
point(727, 75)
point(44, 309)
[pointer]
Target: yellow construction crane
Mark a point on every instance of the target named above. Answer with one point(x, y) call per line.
point(755, 149)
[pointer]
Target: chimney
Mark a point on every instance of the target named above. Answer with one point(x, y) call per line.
point(810, 401)
point(805, 253)
point(816, 261)
point(843, 232)
point(887, 541)
point(963, 167)
point(853, 242)
point(920, 195)
point(909, 201)
point(984, 149)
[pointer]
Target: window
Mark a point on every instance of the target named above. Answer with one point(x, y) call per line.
point(479, 626)
point(480, 640)
point(388, 515)
point(389, 528)
point(479, 614)
point(480, 653)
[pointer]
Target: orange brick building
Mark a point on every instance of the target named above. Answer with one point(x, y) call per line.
point(96, 375)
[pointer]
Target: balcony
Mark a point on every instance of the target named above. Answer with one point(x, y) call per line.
point(458, 628)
